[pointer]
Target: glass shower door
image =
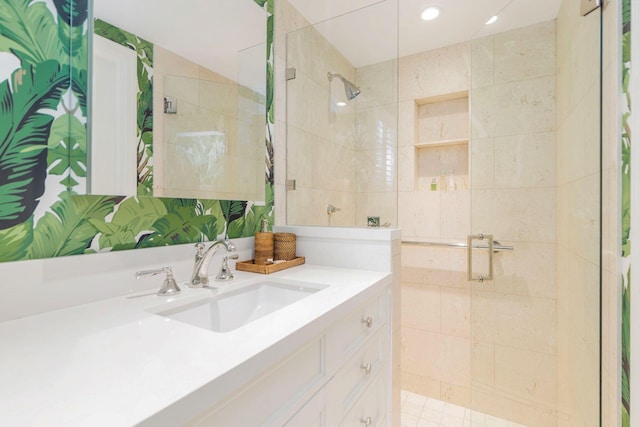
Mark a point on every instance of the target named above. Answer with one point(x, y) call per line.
point(535, 197)
point(342, 118)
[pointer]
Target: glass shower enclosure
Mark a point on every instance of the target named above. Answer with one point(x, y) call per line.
point(486, 153)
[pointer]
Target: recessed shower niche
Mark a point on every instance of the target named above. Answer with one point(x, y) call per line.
point(442, 143)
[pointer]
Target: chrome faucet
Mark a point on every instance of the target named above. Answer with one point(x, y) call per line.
point(199, 278)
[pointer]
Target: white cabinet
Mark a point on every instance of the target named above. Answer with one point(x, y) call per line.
point(353, 330)
point(370, 409)
point(273, 398)
point(349, 383)
point(313, 413)
point(339, 378)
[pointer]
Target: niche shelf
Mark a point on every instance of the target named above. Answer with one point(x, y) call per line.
point(442, 145)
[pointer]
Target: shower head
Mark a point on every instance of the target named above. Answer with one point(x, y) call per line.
point(350, 89)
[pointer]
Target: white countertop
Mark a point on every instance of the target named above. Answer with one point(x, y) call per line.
point(115, 363)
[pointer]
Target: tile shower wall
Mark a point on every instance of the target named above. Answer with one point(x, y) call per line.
point(422, 213)
point(376, 143)
point(436, 302)
point(489, 346)
point(320, 135)
point(339, 155)
point(579, 216)
point(513, 180)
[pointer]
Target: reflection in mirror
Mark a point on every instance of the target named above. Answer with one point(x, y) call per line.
point(178, 113)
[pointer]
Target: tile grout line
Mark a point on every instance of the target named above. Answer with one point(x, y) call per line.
point(451, 420)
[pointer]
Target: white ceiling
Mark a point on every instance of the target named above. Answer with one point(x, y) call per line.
point(389, 28)
point(212, 32)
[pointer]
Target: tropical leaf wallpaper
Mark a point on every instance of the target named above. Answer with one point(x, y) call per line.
point(626, 214)
point(43, 138)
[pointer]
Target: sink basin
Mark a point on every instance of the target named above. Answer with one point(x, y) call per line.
point(231, 310)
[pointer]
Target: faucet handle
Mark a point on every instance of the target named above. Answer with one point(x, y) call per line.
point(230, 246)
point(199, 249)
point(169, 286)
point(225, 272)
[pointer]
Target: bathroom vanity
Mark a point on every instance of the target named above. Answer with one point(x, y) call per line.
point(125, 361)
point(322, 358)
point(336, 377)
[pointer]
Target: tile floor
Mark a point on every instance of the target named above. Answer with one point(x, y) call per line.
point(422, 411)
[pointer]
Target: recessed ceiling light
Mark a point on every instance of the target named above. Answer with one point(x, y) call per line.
point(430, 13)
point(341, 104)
point(492, 20)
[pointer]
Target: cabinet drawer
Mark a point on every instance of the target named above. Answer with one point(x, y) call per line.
point(369, 410)
point(346, 335)
point(355, 375)
point(313, 413)
point(273, 398)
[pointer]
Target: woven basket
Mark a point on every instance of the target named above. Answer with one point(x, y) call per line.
point(284, 246)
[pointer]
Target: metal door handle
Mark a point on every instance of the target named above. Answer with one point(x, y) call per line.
point(368, 321)
point(366, 368)
point(470, 239)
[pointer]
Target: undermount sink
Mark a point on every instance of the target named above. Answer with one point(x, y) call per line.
point(231, 310)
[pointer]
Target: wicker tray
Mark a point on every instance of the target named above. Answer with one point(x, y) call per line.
point(269, 268)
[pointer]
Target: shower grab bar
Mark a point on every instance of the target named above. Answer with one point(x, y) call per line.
point(470, 239)
point(497, 247)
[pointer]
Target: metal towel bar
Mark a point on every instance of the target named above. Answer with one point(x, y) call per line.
point(493, 246)
point(497, 247)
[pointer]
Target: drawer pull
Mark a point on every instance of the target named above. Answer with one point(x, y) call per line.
point(368, 321)
point(366, 368)
point(366, 421)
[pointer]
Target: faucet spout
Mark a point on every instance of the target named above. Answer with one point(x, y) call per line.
point(200, 277)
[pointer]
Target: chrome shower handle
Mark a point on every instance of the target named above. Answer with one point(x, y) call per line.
point(470, 239)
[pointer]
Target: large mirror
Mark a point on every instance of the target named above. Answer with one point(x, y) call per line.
point(178, 99)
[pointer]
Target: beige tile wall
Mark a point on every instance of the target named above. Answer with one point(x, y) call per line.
point(375, 150)
point(422, 213)
point(491, 346)
point(344, 156)
point(611, 284)
point(578, 213)
point(513, 135)
point(434, 362)
point(320, 135)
